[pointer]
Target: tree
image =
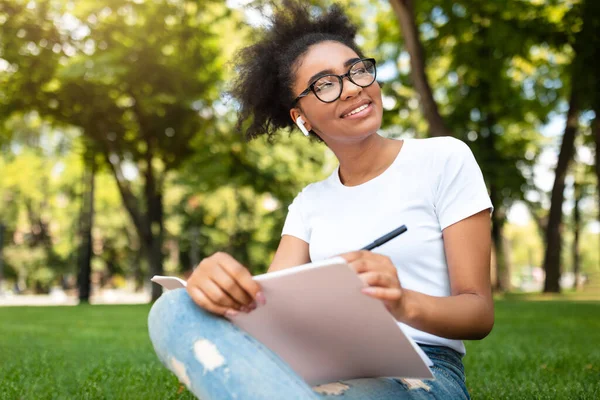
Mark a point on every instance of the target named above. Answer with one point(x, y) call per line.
point(582, 75)
point(578, 195)
point(405, 14)
point(2, 229)
point(596, 135)
point(86, 222)
point(552, 258)
point(140, 79)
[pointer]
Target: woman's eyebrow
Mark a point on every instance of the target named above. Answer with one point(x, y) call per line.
point(316, 76)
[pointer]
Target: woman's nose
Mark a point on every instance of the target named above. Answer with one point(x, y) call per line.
point(349, 89)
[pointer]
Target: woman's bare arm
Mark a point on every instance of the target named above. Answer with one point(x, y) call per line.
point(469, 312)
point(290, 253)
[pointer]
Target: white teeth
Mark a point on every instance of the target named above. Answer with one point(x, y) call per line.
point(357, 110)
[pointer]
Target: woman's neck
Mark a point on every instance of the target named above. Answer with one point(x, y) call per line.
point(363, 161)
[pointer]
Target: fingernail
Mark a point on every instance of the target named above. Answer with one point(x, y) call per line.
point(368, 290)
point(252, 306)
point(231, 313)
point(260, 298)
point(245, 309)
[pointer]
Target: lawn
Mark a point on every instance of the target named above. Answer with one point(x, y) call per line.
point(538, 350)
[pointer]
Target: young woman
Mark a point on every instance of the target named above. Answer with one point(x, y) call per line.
point(308, 72)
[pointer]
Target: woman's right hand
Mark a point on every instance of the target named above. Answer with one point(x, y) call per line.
point(222, 285)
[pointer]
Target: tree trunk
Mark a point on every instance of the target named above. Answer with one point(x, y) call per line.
point(154, 237)
point(405, 13)
point(85, 229)
point(138, 273)
point(596, 134)
point(576, 233)
point(502, 280)
point(552, 256)
point(194, 249)
point(540, 222)
point(154, 254)
point(1, 256)
point(149, 221)
point(155, 258)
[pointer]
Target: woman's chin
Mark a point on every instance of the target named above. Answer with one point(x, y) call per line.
point(363, 129)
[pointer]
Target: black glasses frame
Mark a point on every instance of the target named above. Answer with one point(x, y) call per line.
point(311, 87)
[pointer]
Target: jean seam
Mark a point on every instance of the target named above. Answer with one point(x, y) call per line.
point(448, 374)
point(452, 379)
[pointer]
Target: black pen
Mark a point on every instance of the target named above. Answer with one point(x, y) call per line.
point(386, 238)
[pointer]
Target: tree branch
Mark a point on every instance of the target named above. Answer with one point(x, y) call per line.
point(129, 199)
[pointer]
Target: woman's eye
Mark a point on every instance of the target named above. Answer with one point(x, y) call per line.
point(323, 86)
point(359, 71)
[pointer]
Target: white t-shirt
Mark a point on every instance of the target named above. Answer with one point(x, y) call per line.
point(432, 184)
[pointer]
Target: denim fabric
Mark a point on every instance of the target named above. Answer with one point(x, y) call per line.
point(218, 361)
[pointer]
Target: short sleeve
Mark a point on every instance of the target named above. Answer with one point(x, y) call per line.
point(461, 190)
point(295, 223)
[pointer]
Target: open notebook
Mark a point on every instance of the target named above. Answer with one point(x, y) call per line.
point(318, 321)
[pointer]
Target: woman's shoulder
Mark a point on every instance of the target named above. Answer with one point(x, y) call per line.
point(315, 189)
point(440, 150)
point(440, 144)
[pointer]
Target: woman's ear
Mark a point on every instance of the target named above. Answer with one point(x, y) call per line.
point(295, 114)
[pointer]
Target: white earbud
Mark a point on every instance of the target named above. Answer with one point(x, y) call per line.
point(300, 123)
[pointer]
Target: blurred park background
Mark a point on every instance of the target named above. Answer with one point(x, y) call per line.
point(119, 156)
point(119, 160)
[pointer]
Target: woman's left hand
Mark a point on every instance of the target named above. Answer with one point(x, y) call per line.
point(380, 276)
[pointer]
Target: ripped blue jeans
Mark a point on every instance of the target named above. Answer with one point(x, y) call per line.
point(218, 361)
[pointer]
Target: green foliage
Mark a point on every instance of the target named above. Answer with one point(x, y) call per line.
point(240, 202)
point(36, 204)
point(31, 47)
point(149, 69)
point(143, 80)
point(143, 84)
point(527, 250)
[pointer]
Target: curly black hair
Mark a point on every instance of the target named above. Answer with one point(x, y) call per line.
point(266, 69)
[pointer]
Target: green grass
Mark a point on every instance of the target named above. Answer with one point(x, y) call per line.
point(84, 352)
point(538, 350)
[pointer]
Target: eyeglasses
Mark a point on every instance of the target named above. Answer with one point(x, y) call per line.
point(328, 88)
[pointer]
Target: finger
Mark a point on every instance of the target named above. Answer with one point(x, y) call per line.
point(216, 295)
point(231, 287)
point(201, 300)
point(391, 294)
point(378, 279)
point(241, 275)
point(362, 265)
point(355, 255)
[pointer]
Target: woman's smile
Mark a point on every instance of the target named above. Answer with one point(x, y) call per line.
point(358, 111)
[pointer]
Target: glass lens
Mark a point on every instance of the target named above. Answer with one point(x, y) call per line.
point(327, 88)
point(363, 73)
